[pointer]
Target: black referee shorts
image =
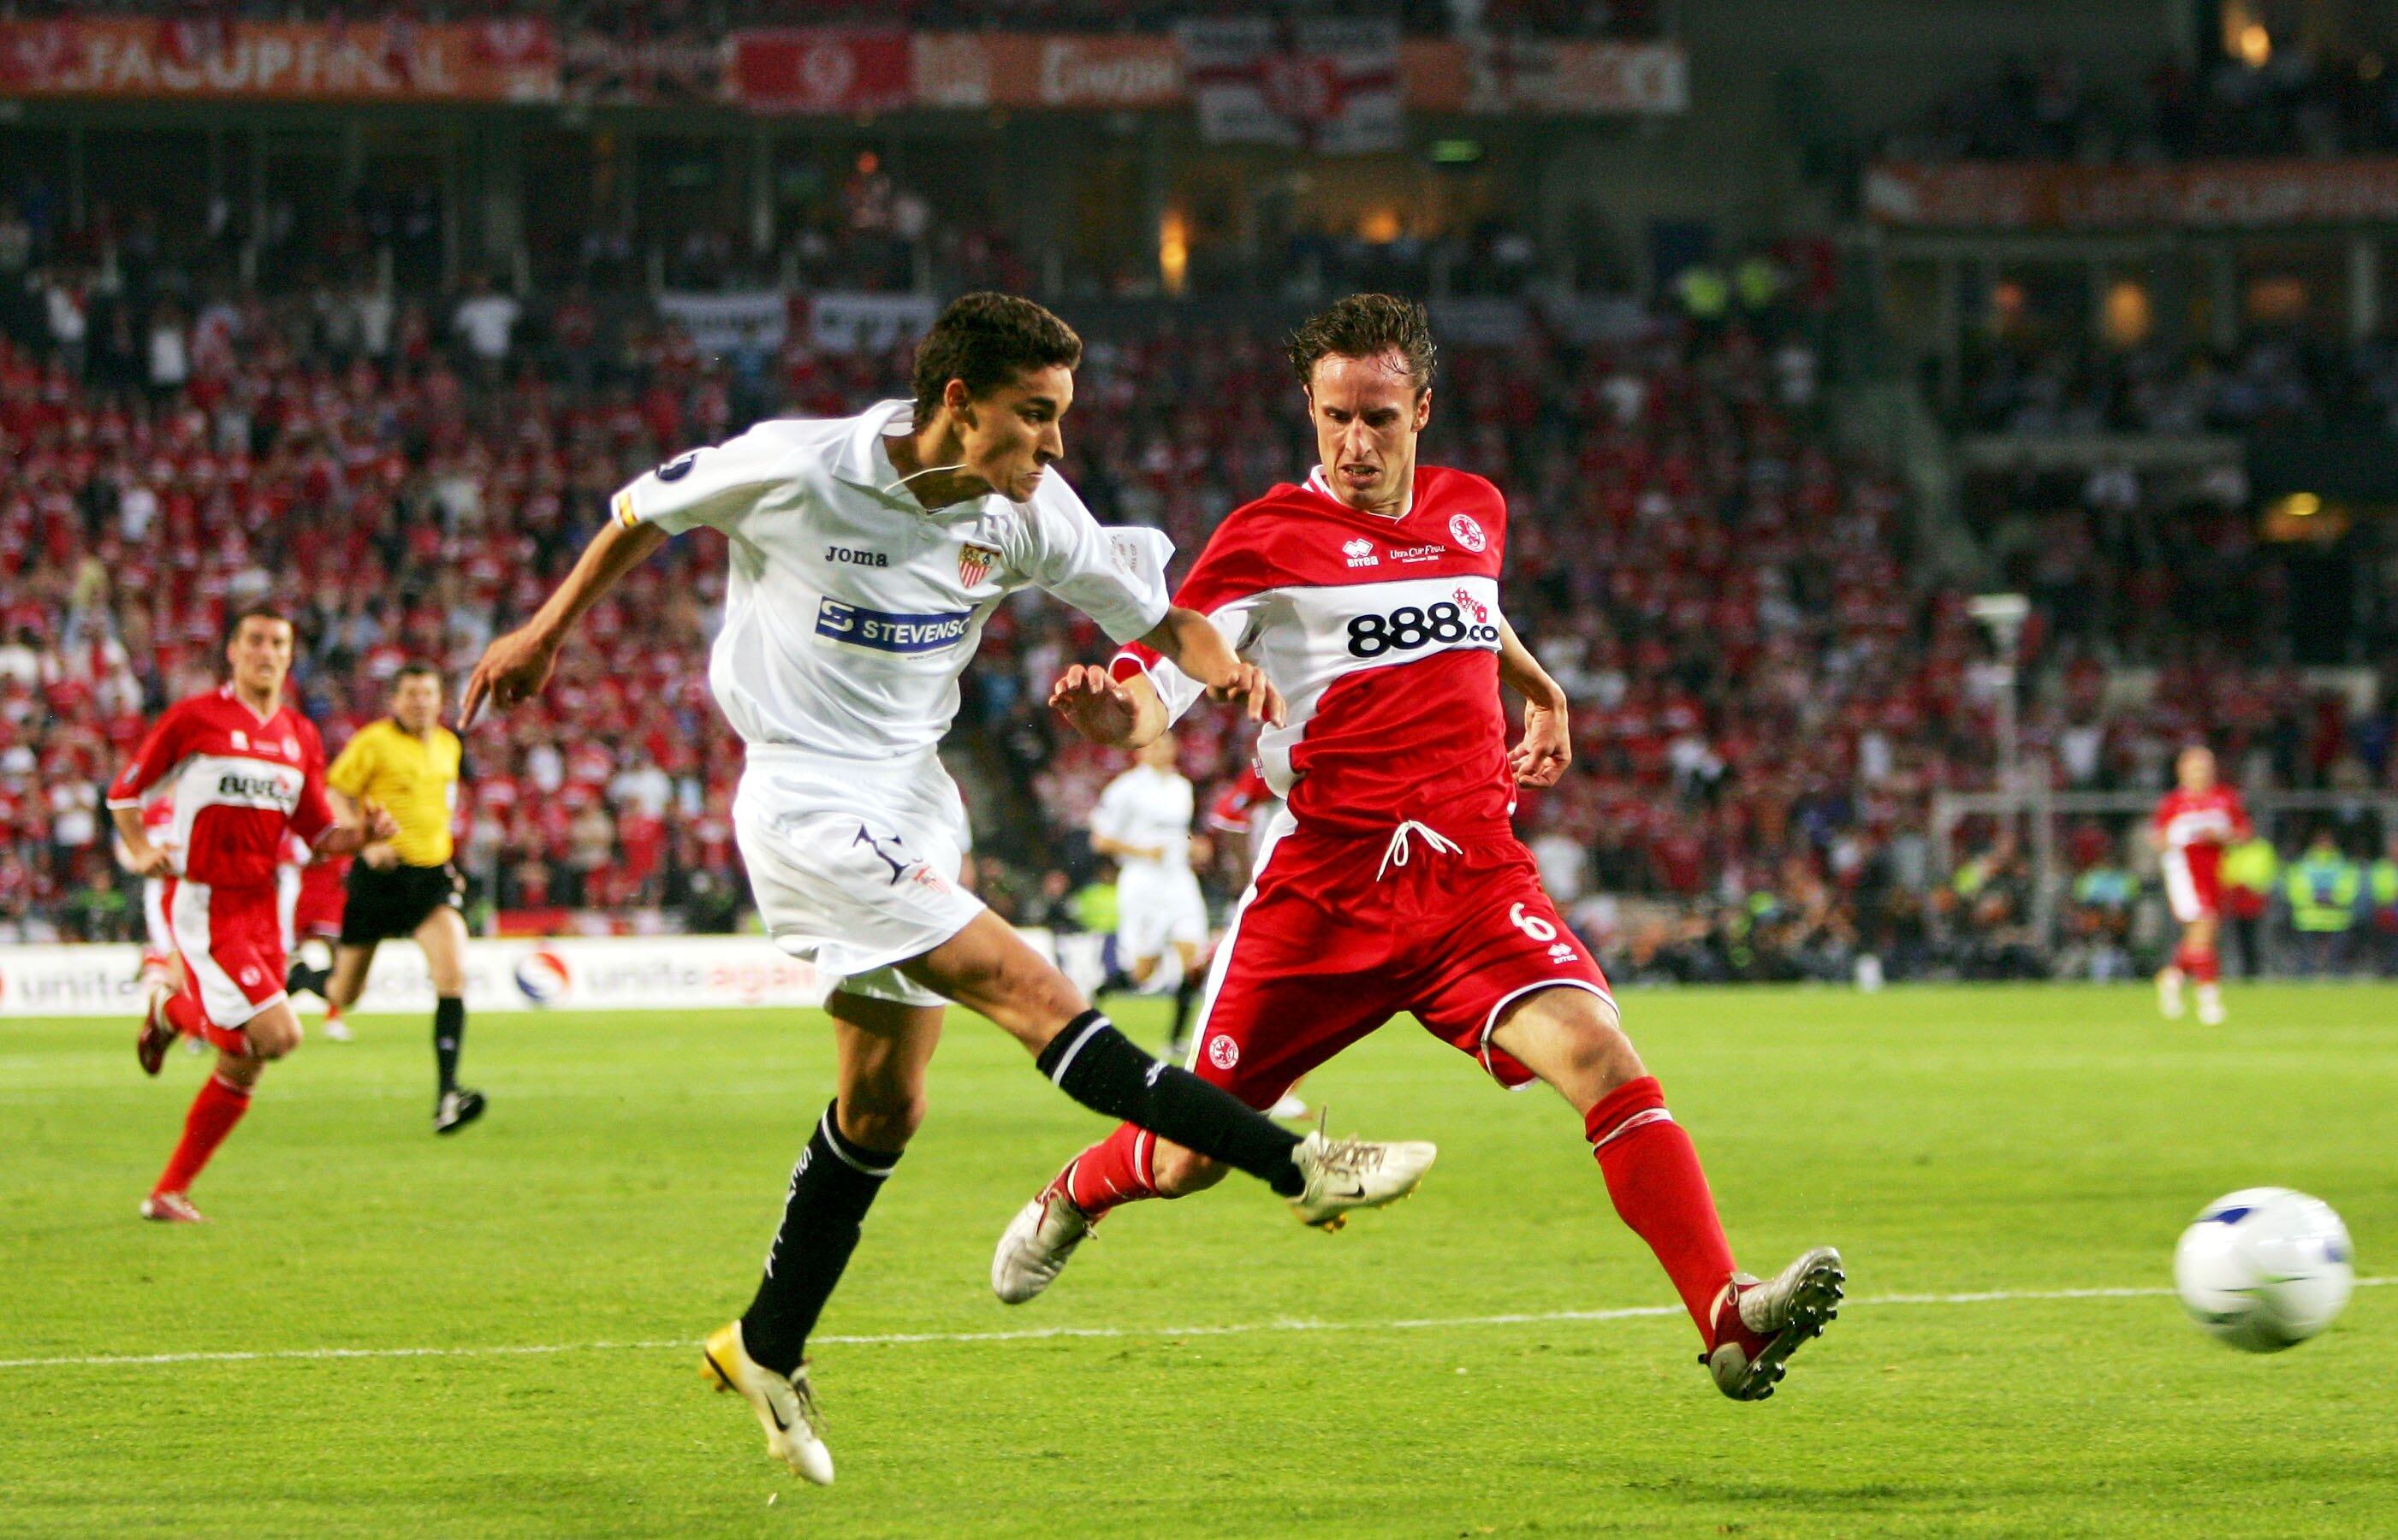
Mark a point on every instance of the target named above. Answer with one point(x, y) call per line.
point(386, 905)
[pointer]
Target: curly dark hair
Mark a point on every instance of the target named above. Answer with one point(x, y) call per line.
point(988, 340)
point(1363, 326)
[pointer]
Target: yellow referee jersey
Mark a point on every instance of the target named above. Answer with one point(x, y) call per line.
point(415, 778)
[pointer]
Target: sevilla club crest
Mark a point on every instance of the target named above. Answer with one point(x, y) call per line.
point(974, 564)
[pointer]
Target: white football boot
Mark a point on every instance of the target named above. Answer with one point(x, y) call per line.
point(2210, 1004)
point(2169, 994)
point(1034, 1246)
point(1346, 1174)
point(785, 1407)
point(1760, 1325)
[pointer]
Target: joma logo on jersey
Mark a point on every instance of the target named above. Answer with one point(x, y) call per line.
point(886, 632)
point(236, 788)
point(841, 555)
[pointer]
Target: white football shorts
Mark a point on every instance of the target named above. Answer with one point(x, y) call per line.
point(854, 866)
point(1157, 908)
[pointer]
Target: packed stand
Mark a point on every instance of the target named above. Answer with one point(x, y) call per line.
point(1766, 695)
point(2275, 380)
point(2288, 105)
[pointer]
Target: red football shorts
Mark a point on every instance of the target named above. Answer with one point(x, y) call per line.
point(231, 941)
point(1339, 934)
point(2193, 882)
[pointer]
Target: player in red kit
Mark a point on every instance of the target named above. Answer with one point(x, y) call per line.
point(2195, 823)
point(244, 772)
point(1392, 880)
point(318, 895)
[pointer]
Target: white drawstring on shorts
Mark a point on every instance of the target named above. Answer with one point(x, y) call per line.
point(1397, 853)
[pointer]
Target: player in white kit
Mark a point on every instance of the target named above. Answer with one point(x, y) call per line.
point(867, 554)
point(1142, 824)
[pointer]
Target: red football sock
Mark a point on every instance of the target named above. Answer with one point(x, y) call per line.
point(184, 1014)
point(182, 1010)
point(2206, 965)
point(1116, 1170)
point(214, 1112)
point(1654, 1175)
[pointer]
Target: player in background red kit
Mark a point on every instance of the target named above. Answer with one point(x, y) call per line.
point(316, 930)
point(2195, 823)
point(158, 936)
point(1392, 880)
point(244, 772)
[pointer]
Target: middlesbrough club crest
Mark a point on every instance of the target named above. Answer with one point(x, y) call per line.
point(974, 564)
point(1463, 529)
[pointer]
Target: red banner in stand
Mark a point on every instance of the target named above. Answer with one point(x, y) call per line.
point(208, 58)
point(831, 69)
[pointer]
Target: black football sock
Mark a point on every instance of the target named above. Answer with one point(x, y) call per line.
point(1099, 1067)
point(304, 980)
point(832, 1186)
point(449, 1026)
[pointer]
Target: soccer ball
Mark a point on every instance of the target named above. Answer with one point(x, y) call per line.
point(2263, 1268)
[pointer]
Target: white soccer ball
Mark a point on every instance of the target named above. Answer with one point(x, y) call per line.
point(2263, 1268)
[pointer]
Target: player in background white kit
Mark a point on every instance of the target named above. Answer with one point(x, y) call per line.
point(867, 554)
point(1142, 823)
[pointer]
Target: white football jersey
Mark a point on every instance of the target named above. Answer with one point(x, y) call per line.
point(1151, 810)
point(851, 610)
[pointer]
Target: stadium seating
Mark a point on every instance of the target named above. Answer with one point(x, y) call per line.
point(1768, 686)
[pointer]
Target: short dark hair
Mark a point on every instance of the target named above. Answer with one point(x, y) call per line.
point(1365, 326)
point(988, 341)
point(412, 669)
point(257, 613)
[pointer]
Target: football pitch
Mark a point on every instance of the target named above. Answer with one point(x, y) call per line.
point(385, 1334)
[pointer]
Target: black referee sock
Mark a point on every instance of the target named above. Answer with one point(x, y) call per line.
point(832, 1186)
point(1099, 1067)
point(449, 1026)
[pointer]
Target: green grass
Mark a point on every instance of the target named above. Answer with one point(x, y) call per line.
point(622, 1190)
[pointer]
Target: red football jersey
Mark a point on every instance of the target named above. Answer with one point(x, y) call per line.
point(1381, 634)
point(239, 782)
point(2209, 818)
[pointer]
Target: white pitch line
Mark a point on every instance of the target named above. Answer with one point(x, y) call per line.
point(1049, 1333)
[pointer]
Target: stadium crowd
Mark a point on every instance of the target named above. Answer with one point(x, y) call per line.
point(1768, 689)
point(2284, 380)
point(2288, 104)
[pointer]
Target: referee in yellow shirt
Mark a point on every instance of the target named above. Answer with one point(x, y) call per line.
point(405, 885)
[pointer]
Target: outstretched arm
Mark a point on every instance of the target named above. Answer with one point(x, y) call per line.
point(515, 667)
point(1189, 641)
point(1547, 749)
